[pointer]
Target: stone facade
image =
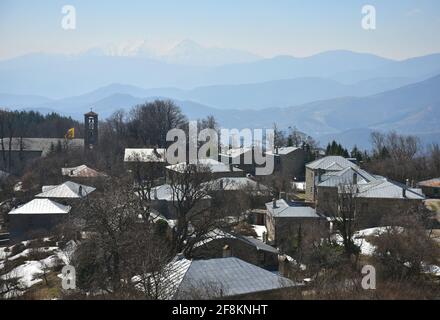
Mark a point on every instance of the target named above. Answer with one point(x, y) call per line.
point(310, 184)
point(26, 226)
point(280, 230)
point(167, 209)
point(239, 249)
point(291, 164)
point(369, 212)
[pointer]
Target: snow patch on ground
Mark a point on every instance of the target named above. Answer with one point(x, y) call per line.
point(26, 252)
point(30, 272)
point(260, 230)
point(359, 240)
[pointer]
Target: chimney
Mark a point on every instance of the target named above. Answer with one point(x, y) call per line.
point(80, 191)
point(355, 178)
point(274, 203)
point(319, 176)
point(404, 192)
point(226, 251)
point(180, 256)
point(283, 266)
point(155, 194)
point(221, 184)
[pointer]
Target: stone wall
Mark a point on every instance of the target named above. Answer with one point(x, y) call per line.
point(239, 249)
point(369, 212)
point(26, 226)
point(310, 184)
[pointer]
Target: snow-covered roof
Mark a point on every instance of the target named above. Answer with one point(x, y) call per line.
point(145, 155)
point(166, 192)
point(260, 245)
point(41, 206)
point(67, 189)
point(289, 209)
point(214, 166)
point(220, 234)
point(331, 163)
point(82, 171)
point(41, 144)
point(235, 152)
point(237, 183)
point(231, 275)
point(345, 176)
point(433, 183)
point(387, 189)
point(283, 150)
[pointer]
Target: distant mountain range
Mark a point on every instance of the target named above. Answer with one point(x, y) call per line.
point(58, 76)
point(411, 109)
point(186, 52)
point(338, 94)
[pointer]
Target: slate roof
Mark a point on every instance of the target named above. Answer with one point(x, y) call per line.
point(66, 190)
point(289, 209)
point(331, 163)
point(145, 155)
point(283, 150)
point(41, 144)
point(345, 176)
point(81, 171)
point(231, 275)
point(387, 189)
point(41, 206)
point(433, 183)
point(260, 245)
point(235, 152)
point(220, 234)
point(165, 192)
point(214, 165)
point(237, 183)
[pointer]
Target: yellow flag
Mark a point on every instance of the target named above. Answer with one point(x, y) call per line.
point(70, 133)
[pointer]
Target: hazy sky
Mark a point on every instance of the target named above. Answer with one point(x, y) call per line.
point(405, 28)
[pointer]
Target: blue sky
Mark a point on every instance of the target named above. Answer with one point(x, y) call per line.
point(405, 28)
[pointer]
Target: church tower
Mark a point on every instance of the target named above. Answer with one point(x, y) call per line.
point(90, 130)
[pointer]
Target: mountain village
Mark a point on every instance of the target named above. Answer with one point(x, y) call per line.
point(210, 230)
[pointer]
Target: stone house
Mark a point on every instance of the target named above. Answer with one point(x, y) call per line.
point(285, 219)
point(37, 217)
point(431, 188)
point(163, 199)
point(231, 189)
point(289, 162)
point(213, 168)
point(220, 278)
point(242, 158)
point(146, 163)
point(25, 150)
point(218, 244)
point(315, 170)
point(373, 196)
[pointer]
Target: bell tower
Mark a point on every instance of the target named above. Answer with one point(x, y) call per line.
point(90, 130)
